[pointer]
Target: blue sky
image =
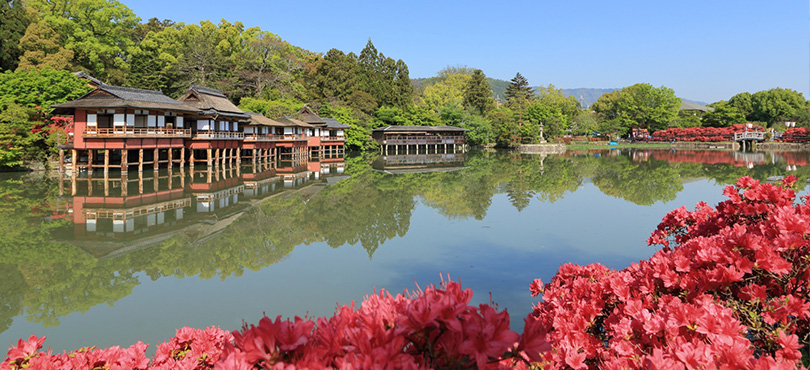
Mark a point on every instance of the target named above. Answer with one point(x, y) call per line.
point(704, 50)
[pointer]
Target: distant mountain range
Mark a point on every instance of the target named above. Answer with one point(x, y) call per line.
point(586, 96)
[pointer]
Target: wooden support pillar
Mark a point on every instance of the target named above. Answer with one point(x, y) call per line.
point(106, 181)
point(124, 164)
point(155, 161)
point(90, 160)
point(106, 162)
point(140, 164)
point(74, 157)
point(73, 184)
point(239, 155)
point(209, 158)
point(182, 158)
point(124, 184)
point(61, 163)
point(171, 158)
point(61, 183)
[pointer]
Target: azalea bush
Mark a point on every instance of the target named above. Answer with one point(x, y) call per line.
point(701, 134)
point(796, 135)
point(727, 290)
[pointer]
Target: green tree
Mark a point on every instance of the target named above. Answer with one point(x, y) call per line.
point(723, 114)
point(478, 94)
point(42, 48)
point(639, 105)
point(204, 56)
point(743, 103)
point(518, 88)
point(15, 21)
point(267, 62)
point(448, 93)
point(777, 105)
point(553, 110)
point(648, 107)
point(519, 96)
point(99, 32)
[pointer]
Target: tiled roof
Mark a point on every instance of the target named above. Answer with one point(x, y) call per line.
point(108, 96)
point(129, 93)
point(211, 102)
point(208, 91)
point(83, 74)
point(333, 123)
point(293, 122)
point(259, 119)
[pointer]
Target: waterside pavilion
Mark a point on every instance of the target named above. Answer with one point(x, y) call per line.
point(215, 135)
point(327, 139)
point(122, 127)
point(412, 139)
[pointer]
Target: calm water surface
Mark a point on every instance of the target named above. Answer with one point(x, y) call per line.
point(89, 262)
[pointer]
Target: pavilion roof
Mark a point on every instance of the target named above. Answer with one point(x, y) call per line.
point(109, 96)
point(211, 102)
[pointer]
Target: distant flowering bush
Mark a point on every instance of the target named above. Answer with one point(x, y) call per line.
point(701, 134)
point(796, 135)
point(729, 290)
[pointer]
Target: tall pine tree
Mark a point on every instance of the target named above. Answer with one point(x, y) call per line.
point(478, 93)
point(518, 88)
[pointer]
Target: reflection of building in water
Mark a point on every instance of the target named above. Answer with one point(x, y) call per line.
point(114, 215)
point(419, 163)
point(420, 139)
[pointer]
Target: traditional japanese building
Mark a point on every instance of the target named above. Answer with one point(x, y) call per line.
point(294, 141)
point(420, 139)
point(259, 145)
point(328, 138)
point(124, 127)
point(216, 138)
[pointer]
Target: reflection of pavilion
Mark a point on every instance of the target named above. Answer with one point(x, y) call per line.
point(113, 215)
point(419, 163)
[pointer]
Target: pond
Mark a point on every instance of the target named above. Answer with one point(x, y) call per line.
point(88, 261)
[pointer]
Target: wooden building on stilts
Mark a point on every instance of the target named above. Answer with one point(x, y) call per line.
point(293, 143)
point(259, 146)
point(420, 139)
point(124, 128)
point(216, 138)
point(327, 139)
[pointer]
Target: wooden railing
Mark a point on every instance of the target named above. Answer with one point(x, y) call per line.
point(333, 138)
point(91, 131)
point(261, 137)
point(127, 213)
point(219, 135)
point(749, 135)
point(292, 137)
point(420, 139)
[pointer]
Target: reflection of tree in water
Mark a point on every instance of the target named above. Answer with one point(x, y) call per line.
point(641, 183)
point(49, 279)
